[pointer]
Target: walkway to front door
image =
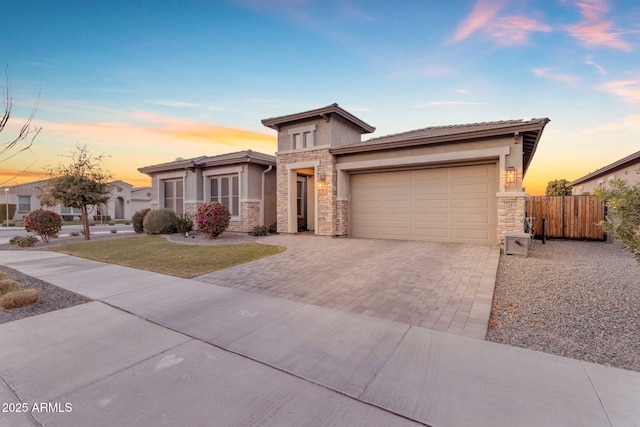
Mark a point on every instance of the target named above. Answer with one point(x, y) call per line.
point(442, 286)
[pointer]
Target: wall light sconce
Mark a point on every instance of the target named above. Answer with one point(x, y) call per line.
point(322, 181)
point(511, 175)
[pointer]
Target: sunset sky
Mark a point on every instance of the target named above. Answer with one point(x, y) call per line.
point(146, 82)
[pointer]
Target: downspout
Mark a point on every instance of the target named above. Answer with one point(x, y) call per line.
point(264, 172)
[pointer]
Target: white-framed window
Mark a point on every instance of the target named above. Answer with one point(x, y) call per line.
point(70, 211)
point(24, 203)
point(225, 189)
point(302, 137)
point(174, 195)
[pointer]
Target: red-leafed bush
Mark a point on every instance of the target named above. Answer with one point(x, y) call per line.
point(212, 218)
point(45, 224)
point(138, 220)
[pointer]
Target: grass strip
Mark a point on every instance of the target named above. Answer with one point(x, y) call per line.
point(155, 253)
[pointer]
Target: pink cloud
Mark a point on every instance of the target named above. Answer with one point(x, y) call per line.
point(506, 30)
point(547, 73)
point(481, 15)
point(594, 29)
point(628, 90)
point(514, 30)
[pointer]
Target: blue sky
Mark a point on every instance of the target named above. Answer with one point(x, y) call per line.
point(146, 82)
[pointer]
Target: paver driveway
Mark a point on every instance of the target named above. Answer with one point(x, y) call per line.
point(442, 286)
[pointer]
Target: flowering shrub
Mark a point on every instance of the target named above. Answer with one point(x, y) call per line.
point(212, 218)
point(43, 223)
point(138, 220)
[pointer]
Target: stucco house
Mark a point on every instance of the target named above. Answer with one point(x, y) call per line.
point(459, 183)
point(244, 181)
point(26, 197)
point(626, 168)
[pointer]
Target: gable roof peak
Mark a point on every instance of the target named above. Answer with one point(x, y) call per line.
point(323, 112)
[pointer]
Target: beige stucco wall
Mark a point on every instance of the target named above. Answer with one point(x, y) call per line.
point(196, 190)
point(628, 173)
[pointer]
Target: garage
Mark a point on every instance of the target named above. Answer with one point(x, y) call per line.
point(447, 204)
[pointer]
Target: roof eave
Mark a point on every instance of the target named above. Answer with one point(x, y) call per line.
point(440, 139)
point(622, 163)
point(276, 122)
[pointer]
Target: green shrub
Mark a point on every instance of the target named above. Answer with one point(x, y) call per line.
point(160, 221)
point(184, 223)
point(23, 241)
point(3, 212)
point(43, 223)
point(212, 218)
point(138, 220)
point(273, 228)
point(259, 230)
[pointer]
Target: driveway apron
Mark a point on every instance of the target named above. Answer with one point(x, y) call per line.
point(442, 286)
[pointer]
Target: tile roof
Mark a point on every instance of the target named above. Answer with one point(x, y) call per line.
point(624, 162)
point(324, 112)
point(247, 156)
point(531, 129)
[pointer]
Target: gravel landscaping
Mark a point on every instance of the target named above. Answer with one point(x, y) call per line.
point(51, 297)
point(571, 298)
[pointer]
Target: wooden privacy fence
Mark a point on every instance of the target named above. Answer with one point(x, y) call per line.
point(568, 217)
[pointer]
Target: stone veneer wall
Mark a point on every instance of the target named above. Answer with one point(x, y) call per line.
point(326, 197)
point(250, 214)
point(342, 218)
point(511, 215)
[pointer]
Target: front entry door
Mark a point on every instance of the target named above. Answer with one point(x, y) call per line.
point(301, 202)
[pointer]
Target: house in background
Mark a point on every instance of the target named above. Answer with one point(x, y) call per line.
point(140, 198)
point(459, 183)
point(245, 182)
point(26, 197)
point(626, 168)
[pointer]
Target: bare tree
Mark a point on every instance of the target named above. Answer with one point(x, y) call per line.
point(27, 133)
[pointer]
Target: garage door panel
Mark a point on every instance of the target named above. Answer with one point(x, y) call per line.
point(432, 233)
point(397, 178)
point(454, 204)
point(471, 188)
point(395, 193)
point(431, 190)
point(470, 218)
point(435, 203)
point(465, 233)
point(397, 205)
point(432, 217)
point(426, 176)
point(471, 203)
point(477, 171)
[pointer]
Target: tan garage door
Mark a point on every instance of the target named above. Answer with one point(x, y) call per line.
point(453, 204)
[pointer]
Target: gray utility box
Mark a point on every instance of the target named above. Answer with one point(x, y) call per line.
point(517, 244)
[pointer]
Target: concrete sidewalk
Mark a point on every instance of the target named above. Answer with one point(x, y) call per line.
point(158, 350)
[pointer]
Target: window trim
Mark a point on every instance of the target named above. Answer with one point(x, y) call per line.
point(219, 177)
point(24, 210)
point(297, 138)
point(162, 197)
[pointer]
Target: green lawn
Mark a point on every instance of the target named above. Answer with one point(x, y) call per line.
point(155, 253)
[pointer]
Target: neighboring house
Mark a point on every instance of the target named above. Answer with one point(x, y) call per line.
point(458, 183)
point(245, 182)
point(626, 168)
point(26, 197)
point(140, 198)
